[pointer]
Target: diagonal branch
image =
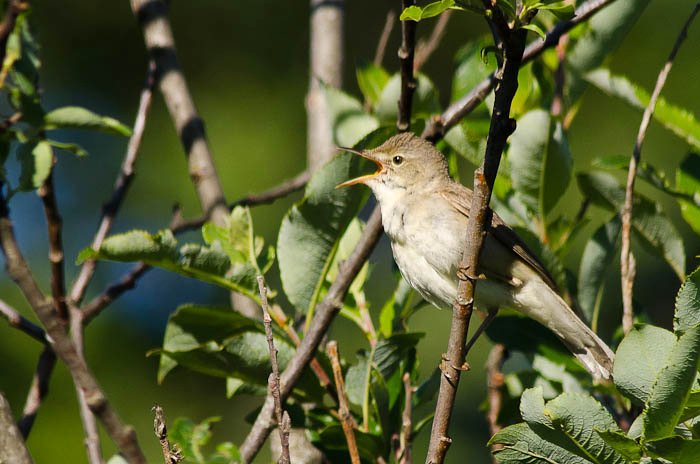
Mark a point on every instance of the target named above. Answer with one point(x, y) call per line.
point(153, 18)
point(513, 42)
point(12, 447)
point(425, 48)
point(16, 320)
point(38, 389)
point(627, 266)
point(438, 127)
point(346, 419)
point(121, 185)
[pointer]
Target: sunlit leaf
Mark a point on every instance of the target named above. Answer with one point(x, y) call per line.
point(687, 312)
point(425, 99)
point(75, 117)
point(349, 122)
point(36, 160)
point(372, 79)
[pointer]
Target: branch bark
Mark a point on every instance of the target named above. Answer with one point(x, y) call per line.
point(38, 389)
point(408, 80)
point(627, 263)
point(324, 314)
point(346, 419)
point(12, 447)
point(425, 48)
point(326, 66)
point(513, 43)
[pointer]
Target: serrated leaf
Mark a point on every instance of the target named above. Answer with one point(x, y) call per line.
point(655, 231)
point(639, 359)
point(310, 232)
point(75, 117)
point(191, 260)
point(349, 122)
point(672, 386)
point(688, 182)
point(687, 312)
point(425, 99)
point(540, 162)
point(371, 79)
point(598, 255)
point(36, 160)
point(676, 450)
point(678, 120)
point(520, 445)
point(626, 446)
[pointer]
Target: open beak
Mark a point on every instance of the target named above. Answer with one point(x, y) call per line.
point(361, 179)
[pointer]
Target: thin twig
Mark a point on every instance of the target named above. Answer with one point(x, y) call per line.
point(121, 185)
point(346, 419)
point(425, 48)
point(54, 224)
point(325, 312)
point(123, 435)
point(158, 36)
point(627, 264)
point(114, 291)
point(16, 320)
point(171, 455)
point(405, 452)
point(384, 37)
point(254, 199)
point(274, 381)
point(437, 127)
point(12, 447)
point(38, 390)
point(408, 80)
point(513, 42)
point(495, 381)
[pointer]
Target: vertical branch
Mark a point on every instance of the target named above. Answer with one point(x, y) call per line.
point(12, 447)
point(54, 225)
point(513, 42)
point(627, 263)
point(121, 185)
point(326, 56)
point(344, 410)
point(408, 80)
point(495, 380)
point(170, 455)
point(405, 455)
point(274, 380)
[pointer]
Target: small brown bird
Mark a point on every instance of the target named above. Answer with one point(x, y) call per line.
point(424, 213)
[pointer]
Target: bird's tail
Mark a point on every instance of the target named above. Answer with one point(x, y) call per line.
point(549, 309)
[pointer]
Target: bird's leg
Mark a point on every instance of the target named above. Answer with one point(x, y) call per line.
point(490, 316)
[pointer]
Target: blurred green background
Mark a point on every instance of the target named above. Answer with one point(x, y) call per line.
point(247, 66)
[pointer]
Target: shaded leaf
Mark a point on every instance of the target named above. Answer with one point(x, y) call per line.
point(520, 444)
point(348, 120)
point(688, 182)
point(76, 117)
point(626, 446)
point(676, 449)
point(425, 99)
point(655, 231)
point(472, 67)
point(687, 312)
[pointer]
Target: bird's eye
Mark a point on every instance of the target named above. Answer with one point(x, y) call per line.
point(397, 160)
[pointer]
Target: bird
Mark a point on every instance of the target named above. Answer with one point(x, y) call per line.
point(425, 213)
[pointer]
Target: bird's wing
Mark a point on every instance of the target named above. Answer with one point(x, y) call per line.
point(460, 197)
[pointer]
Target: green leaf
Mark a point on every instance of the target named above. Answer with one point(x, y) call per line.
point(208, 264)
point(678, 120)
point(540, 162)
point(191, 438)
point(655, 231)
point(688, 182)
point(372, 79)
point(472, 67)
point(74, 148)
point(639, 359)
point(36, 160)
point(578, 416)
point(676, 450)
point(82, 118)
point(536, 29)
point(469, 140)
point(524, 334)
point(416, 13)
point(626, 446)
point(563, 10)
point(604, 32)
point(310, 232)
point(687, 312)
point(348, 120)
point(425, 99)
point(394, 315)
point(671, 389)
point(332, 438)
point(598, 255)
point(520, 444)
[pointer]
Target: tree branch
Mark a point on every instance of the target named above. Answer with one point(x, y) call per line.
point(124, 436)
point(438, 127)
point(405, 451)
point(121, 185)
point(38, 390)
point(501, 127)
point(346, 419)
point(16, 320)
point(12, 447)
point(171, 455)
point(54, 224)
point(408, 80)
point(425, 48)
point(325, 312)
point(627, 263)
point(495, 380)
point(384, 38)
point(153, 18)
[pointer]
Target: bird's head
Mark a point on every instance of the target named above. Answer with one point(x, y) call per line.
point(403, 162)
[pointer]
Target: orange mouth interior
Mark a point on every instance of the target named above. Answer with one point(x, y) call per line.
point(362, 179)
